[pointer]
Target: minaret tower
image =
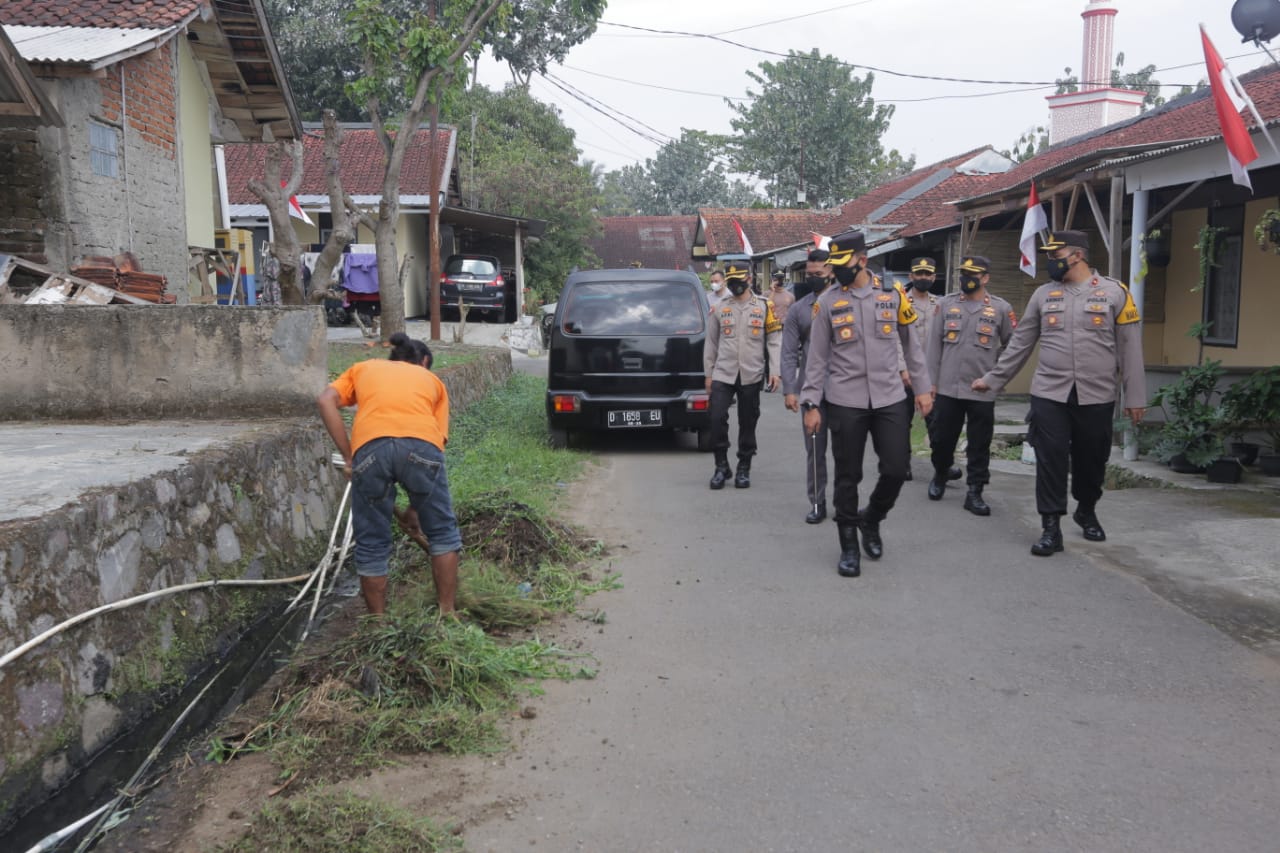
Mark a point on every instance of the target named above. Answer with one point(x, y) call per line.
point(1096, 104)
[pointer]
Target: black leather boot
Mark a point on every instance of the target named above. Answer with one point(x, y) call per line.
point(1088, 521)
point(871, 543)
point(816, 514)
point(1050, 541)
point(850, 563)
point(974, 503)
point(937, 487)
point(742, 480)
point(954, 473)
point(722, 473)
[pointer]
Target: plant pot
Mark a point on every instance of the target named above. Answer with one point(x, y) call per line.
point(1158, 252)
point(1180, 465)
point(1245, 451)
point(1273, 232)
point(1269, 464)
point(1225, 470)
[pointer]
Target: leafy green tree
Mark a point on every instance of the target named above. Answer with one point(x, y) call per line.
point(1143, 80)
point(624, 192)
point(686, 174)
point(526, 164)
point(812, 127)
point(539, 32)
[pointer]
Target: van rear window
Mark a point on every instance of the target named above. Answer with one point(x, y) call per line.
point(633, 308)
point(470, 266)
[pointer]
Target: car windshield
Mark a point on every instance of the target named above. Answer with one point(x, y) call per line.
point(633, 308)
point(470, 266)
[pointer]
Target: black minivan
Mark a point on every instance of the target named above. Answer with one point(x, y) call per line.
point(626, 354)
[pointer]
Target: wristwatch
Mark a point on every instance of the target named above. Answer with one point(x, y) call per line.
point(808, 406)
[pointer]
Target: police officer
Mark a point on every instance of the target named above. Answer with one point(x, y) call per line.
point(853, 366)
point(742, 327)
point(795, 348)
point(969, 330)
point(1087, 326)
point(781, 298)
point(924, 273)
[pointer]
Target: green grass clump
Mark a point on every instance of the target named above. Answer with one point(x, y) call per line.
point(328, 821)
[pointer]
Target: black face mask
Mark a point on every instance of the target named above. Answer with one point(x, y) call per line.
point(846, 275)
point(1057, 268)
point(737, 286)
point(921, 283)
point(815, 283)
point(970, 283)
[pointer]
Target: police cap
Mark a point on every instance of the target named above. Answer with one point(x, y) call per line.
point(844, 246)
point(735, 270)
point(975, 265)
point(1059, 239)
point(924, 265)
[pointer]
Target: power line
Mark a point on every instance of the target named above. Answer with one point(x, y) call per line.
point(794, 17)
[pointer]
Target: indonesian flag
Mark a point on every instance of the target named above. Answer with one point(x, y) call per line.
point(746, 244)
point(1031, 226)
point(295, 209)
point(1229, 101)
point(820, 242)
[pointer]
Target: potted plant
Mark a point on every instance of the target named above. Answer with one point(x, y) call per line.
point(1157, 246)
point(1267, 231)
point(1246, 406)
point(1191, 437)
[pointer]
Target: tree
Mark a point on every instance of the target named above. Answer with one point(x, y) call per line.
point(623, 192)
point(539, 32)
point(428, 52)
point(686, 174)
point(1143, 80)
point(275, 194)
point(343, 209)
point(1033, 141)
point(526, 164)
point(812, 127)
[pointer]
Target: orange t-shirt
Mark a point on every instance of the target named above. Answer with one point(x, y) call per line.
point(394, 399)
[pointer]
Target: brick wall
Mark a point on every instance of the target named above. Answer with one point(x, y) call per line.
point(22, 193)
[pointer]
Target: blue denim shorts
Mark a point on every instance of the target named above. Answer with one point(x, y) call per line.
point(416, 465)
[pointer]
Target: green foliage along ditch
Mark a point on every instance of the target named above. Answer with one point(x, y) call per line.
point(412, 681)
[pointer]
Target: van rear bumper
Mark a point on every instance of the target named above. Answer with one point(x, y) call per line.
point(690, 411)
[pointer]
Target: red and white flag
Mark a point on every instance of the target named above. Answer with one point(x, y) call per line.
point(1031, 226)
point(819, 241)
point(1228, 100)
point(746, 244)
point(295, 209)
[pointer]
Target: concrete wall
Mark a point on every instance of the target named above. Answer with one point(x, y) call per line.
point(125, 361)
point(23, 194)
point(260, 505)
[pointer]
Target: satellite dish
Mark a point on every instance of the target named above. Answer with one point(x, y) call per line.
point(1256, 20)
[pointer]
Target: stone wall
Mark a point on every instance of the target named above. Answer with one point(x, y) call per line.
point(261, 505)
point(133, 361)
point(22, 194)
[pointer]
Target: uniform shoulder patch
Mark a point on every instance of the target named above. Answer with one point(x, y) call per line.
point(771, 322)
point(906, 314)
point(1129, 313)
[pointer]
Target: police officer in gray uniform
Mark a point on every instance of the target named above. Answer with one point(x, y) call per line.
point(969, 330)
point(924, 273)
point(853, 367)
point(1087, 326)
point(741, 328)
point(795, 350)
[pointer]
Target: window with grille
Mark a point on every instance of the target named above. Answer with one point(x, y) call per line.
point(104, 153)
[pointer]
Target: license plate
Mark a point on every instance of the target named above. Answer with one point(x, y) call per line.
point(635, 418)
point(470, 287)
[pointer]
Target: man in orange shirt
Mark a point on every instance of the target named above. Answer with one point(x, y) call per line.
point(398, 436)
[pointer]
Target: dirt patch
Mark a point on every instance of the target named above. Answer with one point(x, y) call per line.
point(511, 534)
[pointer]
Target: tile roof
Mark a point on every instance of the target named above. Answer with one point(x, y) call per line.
point(98, 13)
point(895, 193)
point(361, 159)
point(1190, 117)
point(767, 229)
point(657, 242)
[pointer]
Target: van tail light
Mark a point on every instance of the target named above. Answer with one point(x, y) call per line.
point(498, 282)
point(699, 403)
point(566, 403)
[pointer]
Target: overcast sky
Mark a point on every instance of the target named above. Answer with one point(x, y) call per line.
point(1024, 41)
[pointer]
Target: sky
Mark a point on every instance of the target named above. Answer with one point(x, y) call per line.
point(1025, 42)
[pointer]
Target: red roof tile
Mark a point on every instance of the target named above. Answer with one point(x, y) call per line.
point(156, 14)
point(1182, 119)
point(657, 242)
point(362, 165)
point(766, 229)
point(856, 211)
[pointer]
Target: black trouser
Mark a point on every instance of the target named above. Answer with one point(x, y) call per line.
point(949, 417)
point(890, 437)
point(722, 394)
point(1071, 431)
point(815, 457)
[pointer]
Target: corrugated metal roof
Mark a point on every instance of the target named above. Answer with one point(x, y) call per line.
point(79, 44)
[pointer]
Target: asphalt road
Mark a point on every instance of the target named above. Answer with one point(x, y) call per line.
point(961, 696)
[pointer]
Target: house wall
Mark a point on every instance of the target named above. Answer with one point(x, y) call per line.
point(194, 135)
point(1258, 344)
point(142, 210)
point(23, 194)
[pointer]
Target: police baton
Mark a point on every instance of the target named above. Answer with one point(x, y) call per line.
point(813, 458)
